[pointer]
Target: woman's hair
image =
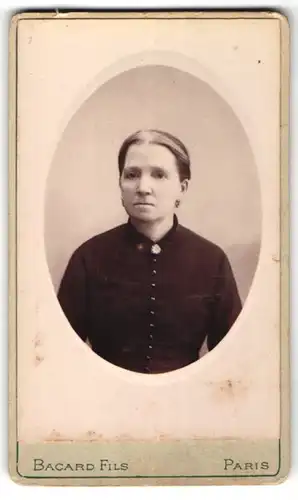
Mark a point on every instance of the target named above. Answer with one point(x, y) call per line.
point(153, 136)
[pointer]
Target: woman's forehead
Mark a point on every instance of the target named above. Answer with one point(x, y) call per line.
point(149, 155)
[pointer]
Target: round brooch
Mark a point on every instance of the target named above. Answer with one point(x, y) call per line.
point(155, 249)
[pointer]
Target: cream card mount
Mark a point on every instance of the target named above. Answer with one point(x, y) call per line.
point(149, 254)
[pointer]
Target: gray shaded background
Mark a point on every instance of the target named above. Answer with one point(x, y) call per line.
point(223, 202)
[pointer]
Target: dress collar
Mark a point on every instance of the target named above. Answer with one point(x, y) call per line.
point(142, 242)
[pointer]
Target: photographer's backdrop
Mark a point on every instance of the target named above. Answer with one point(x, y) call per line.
point(223, 202)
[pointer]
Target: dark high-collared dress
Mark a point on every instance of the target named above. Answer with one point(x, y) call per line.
point(148, 307)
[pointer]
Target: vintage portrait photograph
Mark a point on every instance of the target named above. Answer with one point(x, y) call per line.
point(143, 288)
point(149, 174)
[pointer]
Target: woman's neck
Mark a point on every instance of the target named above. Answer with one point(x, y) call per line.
point(154, 230)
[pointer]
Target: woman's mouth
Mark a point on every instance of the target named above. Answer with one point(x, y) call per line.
point(143, 204)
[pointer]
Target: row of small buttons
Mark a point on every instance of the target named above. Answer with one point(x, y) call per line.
point(155, 250)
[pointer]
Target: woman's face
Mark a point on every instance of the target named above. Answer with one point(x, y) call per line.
point(150, 183)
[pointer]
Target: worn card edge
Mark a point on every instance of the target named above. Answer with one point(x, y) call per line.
point(284, 244)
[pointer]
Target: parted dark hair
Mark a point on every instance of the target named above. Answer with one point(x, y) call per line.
point(154, 136)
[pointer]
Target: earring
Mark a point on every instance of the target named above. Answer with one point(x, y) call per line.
point(177, 203)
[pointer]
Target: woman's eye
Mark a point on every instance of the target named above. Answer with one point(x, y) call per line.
point(159, 174)
point(130, 175)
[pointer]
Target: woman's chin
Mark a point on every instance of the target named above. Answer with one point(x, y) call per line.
point(144, 214)
point(143, 217)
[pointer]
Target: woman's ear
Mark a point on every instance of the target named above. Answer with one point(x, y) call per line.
point(184, 185)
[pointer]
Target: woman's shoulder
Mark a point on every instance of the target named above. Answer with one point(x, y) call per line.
point(101, 241)
point(200, 243)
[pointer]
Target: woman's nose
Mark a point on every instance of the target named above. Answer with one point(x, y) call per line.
point(144, 185)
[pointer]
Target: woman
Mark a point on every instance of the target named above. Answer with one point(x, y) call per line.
point(147, 293)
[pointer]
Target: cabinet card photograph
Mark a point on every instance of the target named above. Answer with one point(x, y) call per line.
point(149, 248)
